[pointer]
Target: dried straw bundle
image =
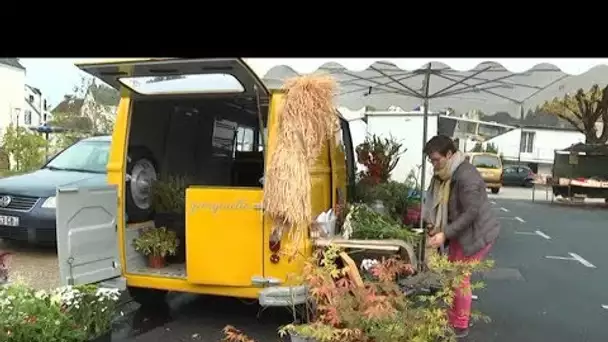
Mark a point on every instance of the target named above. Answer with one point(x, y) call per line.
point(306, 121)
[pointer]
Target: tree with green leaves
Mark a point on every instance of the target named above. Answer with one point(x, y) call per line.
point(490, 148)
point(24, 147)
point(583, 110)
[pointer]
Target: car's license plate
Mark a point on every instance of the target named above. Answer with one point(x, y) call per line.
point(11, 221)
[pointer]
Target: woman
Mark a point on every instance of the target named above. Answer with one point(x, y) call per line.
point(458, 210)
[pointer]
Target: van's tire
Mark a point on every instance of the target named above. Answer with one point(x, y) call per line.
point(141, 170)
point(495, 190)
point(147, 297)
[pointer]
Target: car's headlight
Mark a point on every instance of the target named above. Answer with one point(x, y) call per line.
point(49, 203)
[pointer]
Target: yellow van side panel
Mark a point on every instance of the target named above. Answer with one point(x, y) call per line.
point(117, 168)
point(290, 270)
point(338, 170)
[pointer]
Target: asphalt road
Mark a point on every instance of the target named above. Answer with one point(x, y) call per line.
point(533, 296)
point(529, 297)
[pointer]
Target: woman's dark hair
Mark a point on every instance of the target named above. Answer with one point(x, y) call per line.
point(441, 144)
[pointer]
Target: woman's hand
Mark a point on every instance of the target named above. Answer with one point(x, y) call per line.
point(437, 240)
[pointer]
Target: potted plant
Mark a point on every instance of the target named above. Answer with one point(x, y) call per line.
point(156, 244)
point(66, 314)
point(379, 156)
point(169, 202)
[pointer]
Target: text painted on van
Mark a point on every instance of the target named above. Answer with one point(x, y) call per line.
point(214, 207)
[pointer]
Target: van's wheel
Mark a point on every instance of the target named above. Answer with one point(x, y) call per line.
point(495, 190)
point(141, 173)
point(147, 297)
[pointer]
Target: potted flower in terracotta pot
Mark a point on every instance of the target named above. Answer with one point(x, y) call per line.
point(156, 244)
point(169, 202)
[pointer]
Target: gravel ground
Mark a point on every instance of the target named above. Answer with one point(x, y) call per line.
point(33, 265)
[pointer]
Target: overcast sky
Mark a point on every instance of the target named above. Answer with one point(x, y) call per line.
point(55, 77)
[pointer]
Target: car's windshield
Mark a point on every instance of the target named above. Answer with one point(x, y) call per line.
point(486, 162)
point(85, 156)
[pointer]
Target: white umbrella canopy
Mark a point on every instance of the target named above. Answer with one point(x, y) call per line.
point(489, 85)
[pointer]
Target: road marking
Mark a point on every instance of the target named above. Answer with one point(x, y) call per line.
point(582, 261)
point(543, 235)
point(505, 218)
point(474, 297)
point(574, 257)
point(504, 209)
point(538, 233)
point(559, 258)
point(520, 219)
point(604, 306)
point(493, 202)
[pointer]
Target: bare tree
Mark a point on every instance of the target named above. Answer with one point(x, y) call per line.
point(582, 111)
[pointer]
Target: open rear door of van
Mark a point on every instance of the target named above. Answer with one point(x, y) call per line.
point(87, 236)
point(153, 76)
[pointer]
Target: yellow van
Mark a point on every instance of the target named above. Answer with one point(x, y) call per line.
point(489, 166)
point(183, 116)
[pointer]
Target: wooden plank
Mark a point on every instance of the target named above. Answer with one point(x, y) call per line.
point(401, 247)
point(351, 269)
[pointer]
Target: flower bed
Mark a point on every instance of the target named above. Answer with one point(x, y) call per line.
point(66, 314)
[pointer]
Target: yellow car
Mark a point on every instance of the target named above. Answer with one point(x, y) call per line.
point(489, 166)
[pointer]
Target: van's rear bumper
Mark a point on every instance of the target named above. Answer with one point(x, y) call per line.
point(283, 295)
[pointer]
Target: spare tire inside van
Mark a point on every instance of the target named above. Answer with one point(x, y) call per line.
point(141, 171)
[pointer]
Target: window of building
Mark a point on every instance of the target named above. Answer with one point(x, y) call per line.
point(27, 117)
point(527, 142)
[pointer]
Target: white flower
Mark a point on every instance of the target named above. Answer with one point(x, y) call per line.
point(368, 264)
point(108, 293)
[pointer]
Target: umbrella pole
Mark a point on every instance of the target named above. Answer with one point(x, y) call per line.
point(425, 114)
point(46, 147)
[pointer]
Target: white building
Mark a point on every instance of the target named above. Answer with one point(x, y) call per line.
point(405, 127)
point(12, 91)
point(36, 108)
point(535, 145)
